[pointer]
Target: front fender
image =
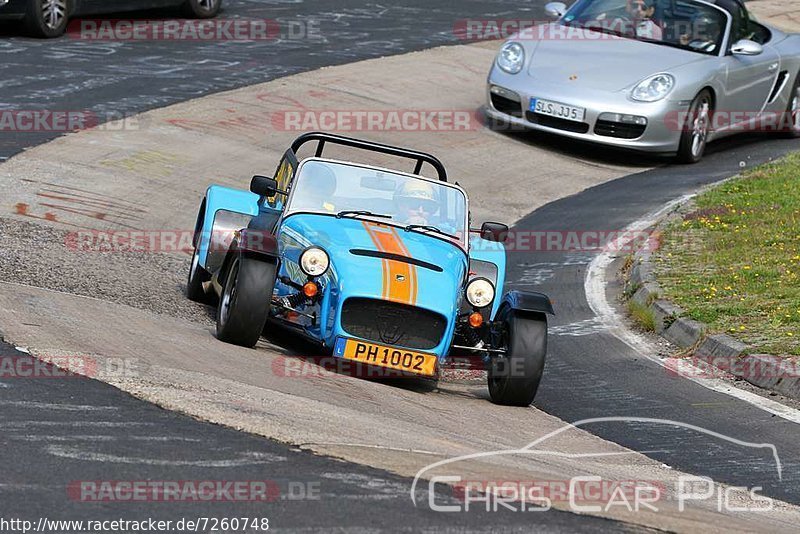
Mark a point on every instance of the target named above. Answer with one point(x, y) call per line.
point(526, 301)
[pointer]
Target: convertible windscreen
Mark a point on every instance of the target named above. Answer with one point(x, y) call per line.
point(347, 190)
point(689, 25)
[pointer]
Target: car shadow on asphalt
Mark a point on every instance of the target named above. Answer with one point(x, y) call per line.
point(595, 153)
point(312, 359)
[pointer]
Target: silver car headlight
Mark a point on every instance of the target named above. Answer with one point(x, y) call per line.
point(511, 58)
point(654, 88)
point(480, 292)
point(314, 261)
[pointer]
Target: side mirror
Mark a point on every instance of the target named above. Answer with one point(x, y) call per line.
point(263, 186)
point(555, 10)
point(746, 47)
point(493, 231)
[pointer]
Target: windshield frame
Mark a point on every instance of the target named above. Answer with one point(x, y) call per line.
point(462, 242)
point(724, 45)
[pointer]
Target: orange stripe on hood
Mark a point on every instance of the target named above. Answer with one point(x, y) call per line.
point(399, 278)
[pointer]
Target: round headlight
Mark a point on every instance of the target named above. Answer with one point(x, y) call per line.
point(653, 88)
point(314, 261)
point(480, 292)
point(511, 58)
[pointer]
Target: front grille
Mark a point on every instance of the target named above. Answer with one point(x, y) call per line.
point(392, 323)
point(554, 122)
point(507, 106)
point(619, 129)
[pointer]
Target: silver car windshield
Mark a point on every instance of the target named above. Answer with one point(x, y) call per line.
point(685, 24)
point(408, 201)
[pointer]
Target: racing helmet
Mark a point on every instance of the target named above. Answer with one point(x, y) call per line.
point(416, 189)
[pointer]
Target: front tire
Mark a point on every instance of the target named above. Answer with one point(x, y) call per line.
point(47, 18)
point(202, 9)
point(694, 136)
point(514, 377)
point(245, 302)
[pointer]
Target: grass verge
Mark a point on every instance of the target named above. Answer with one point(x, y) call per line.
point(733, 262)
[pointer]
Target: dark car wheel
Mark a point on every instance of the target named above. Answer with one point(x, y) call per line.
point(793, 111)
point(194, 284)
point(694, 136)
point(202, 9)
point(47, 18)
point(244, 305)
point(514, 377)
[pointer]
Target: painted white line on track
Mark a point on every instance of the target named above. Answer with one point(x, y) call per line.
point(595, 289)
point(80, 453)
point(57, 407)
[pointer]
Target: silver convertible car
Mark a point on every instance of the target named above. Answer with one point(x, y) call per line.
point(664, 76)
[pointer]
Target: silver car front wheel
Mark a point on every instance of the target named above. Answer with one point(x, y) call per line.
point(694, 134)
point(792, 119)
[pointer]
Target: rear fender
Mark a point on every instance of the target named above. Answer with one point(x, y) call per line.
point(224, 211)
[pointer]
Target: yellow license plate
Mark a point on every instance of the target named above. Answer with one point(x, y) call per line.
point(389, 357)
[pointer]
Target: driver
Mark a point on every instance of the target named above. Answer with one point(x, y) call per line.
point(706, 30)
point(641, 13)
point(416, 202)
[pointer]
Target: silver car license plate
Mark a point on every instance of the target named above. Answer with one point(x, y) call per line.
point(557, 109)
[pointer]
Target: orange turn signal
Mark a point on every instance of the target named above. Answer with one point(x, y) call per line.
point(310, 289)
point(475, 320)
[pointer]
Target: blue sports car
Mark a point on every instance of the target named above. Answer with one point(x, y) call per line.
point(377, 266)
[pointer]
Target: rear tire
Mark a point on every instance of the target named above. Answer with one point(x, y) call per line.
point(514, 378)
point(47, 18)
point(793, 112)
point(202, 9)
point(245, 302)
point(694, 136)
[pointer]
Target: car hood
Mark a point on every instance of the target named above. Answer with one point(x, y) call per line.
point(591, 60)
point(362, 265)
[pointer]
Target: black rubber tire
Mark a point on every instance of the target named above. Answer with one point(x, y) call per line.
point(194, 283)
point(245, 302)
point(793, 133)
point(514, 378)
point(194, 9)
point(686, 153)
point(35, 25)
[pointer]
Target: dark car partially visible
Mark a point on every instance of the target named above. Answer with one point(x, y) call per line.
point(49, 18)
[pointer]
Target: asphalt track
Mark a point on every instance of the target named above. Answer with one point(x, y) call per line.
point(591, 374)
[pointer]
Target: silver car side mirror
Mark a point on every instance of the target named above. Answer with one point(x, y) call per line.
point(555, 9)
point(746, 47)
